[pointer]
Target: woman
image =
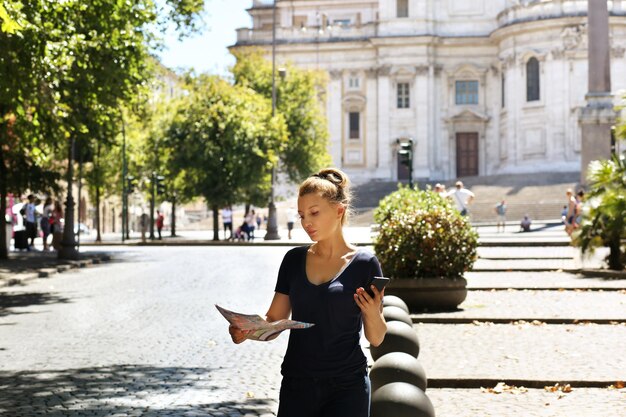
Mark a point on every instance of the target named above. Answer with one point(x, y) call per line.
point(250, 220)
point(324, 369)
point(57, 225)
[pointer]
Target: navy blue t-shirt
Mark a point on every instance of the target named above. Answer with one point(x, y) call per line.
point(331, 347)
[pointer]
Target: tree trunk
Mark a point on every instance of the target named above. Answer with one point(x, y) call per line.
point(173, 222)
point(615, 261)
point(98, 179)
point(68, 244)
point(4, 250)
point(98, 236)
point(216, 225)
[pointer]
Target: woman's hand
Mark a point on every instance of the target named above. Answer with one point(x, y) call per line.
point(369, 305)
point(237, 334)
point(372, 310)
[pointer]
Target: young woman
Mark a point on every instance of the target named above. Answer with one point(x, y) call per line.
point(324, 369)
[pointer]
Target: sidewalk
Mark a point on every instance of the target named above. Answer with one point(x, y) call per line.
point(548, 233)
point(22, 267)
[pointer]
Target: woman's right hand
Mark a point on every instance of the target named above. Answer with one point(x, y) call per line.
point(237, 334)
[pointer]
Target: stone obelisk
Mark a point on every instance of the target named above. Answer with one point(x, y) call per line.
point(597, 117)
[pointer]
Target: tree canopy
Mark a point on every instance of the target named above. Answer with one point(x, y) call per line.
point(300, 97)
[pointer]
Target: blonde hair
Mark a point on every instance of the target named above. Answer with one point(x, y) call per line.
point(333, 185)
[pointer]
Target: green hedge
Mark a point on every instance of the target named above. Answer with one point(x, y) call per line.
point(422, 235)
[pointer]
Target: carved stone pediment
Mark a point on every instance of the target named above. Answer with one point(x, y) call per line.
point(468, 116)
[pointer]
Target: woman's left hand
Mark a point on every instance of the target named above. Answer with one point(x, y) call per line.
point(369, 305)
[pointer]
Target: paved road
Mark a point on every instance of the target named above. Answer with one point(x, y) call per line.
point(141, 334)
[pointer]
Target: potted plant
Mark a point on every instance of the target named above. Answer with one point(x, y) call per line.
point(425, 246)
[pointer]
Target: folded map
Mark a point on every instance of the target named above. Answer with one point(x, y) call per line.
point(259, 328)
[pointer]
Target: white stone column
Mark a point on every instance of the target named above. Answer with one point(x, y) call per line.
point(598, 116)
point(423, 160)
point(371, 124)
point(384, 141)
point(335, 117)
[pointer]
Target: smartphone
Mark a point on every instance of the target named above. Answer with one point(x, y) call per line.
point(378, 282)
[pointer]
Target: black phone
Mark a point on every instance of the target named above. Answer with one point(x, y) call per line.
point(378, 282)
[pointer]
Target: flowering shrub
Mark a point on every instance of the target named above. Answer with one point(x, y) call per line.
point(422, 235)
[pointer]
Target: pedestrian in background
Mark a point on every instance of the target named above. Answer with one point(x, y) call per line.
point(30, 220)
point(462, 197)
point(250, 221)
point(159, 222)
point(500, 210)
point(292, 217)
point(525, 224)
point(324, 369)
point(258, 221)
point(580, 198)
point(570, 218)
point(440, 189)
point(227, 219)
point(57, 225)
point(46, 221)
point(144, 223)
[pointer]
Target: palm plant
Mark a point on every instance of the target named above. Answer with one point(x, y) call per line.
point(604, 212)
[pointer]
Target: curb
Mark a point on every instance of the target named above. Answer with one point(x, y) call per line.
point(296, 243)
point(603, 273)
point(529, 320)
point(526, 383)
point(557, 289)
point(48, 272)
point(510, 243)
point(566, 270)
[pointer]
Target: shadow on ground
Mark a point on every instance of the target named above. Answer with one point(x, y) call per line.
point(10, 300)
point(19, 262)
point(119, 390)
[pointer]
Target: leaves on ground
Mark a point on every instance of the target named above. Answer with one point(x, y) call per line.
point(502, 387)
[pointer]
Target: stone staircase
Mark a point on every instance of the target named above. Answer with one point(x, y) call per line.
point(539, 195)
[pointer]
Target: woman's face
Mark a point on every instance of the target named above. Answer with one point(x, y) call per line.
point(319, 218)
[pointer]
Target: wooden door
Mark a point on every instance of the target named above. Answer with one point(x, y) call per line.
point(466, 154)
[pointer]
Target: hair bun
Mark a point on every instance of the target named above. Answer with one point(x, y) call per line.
point(335, 176)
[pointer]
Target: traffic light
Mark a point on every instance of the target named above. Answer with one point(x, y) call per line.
point(405, 153)
point(131, 184)
point(160, 184)
point(405, 156)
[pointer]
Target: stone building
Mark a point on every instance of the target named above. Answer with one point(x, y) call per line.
point(483, 87)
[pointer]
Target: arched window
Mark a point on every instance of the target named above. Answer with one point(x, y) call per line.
point(532, 80)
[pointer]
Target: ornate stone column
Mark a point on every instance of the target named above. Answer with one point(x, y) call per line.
point(597, 117)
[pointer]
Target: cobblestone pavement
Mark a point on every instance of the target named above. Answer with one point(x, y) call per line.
point(140, 336)
point(535, 304)
point(590, 402)
point(523, 351)
point(549, 280)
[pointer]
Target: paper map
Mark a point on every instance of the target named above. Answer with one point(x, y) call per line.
point(259, 328)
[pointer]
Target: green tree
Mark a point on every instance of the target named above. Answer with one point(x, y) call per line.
point(224, 141)
point(604, 212)
point(67, 68)
point(300, 98)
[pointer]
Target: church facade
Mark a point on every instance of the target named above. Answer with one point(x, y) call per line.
point(481, 87)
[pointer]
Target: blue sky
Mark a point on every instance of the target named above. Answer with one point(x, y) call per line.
point(207, 51)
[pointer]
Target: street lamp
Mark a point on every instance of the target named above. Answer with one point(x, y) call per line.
point(272, 223)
